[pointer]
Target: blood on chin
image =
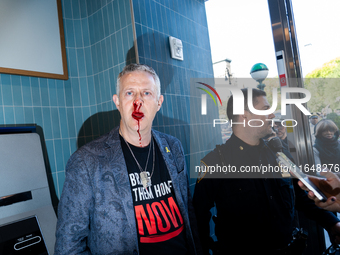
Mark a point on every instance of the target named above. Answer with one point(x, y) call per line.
point(138, 123)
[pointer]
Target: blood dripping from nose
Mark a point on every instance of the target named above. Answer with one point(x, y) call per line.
point(137, 115)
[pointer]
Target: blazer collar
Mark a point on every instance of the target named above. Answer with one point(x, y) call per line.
point(162, 143)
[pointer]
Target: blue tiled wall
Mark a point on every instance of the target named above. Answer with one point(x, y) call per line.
point(99, 43)
point(155, 21)
point(98, 35)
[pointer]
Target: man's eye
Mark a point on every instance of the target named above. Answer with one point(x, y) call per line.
point(147, 93)
point(129, 93)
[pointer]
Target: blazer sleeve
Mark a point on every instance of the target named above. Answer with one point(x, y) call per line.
point(74, 209)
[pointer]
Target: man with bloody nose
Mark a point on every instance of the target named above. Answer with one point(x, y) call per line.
point(127, 192)
point(138, 99)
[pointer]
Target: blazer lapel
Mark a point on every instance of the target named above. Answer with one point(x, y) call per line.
point(173, 168)
point(121, 177)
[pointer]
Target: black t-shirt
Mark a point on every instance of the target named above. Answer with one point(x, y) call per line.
point(159, 221)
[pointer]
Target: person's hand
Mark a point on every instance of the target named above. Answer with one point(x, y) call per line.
point(335, 233)
point(330, 187)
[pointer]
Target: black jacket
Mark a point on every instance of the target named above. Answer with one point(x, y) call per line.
point(253, 215)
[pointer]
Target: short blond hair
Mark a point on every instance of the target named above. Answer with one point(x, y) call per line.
point(142, 68)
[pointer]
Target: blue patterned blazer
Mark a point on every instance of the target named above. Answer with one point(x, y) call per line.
point(96, 213)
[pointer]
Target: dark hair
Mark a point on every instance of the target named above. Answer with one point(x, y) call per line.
point(325, 125)
point(256, 93)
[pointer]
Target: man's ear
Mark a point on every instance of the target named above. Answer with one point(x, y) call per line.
point(116, 100)
point(246, 115)
point(160, 102)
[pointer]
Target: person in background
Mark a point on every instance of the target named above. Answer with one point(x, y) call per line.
point(326, 147)
point(280, 130)
point(313, 120)
point(327, 158)
point(254, 215)
point(127, 192)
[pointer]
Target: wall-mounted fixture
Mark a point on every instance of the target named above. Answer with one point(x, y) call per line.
point(176, 48)
point(32, 38)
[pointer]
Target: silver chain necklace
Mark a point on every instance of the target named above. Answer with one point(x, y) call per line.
point(145, 179)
